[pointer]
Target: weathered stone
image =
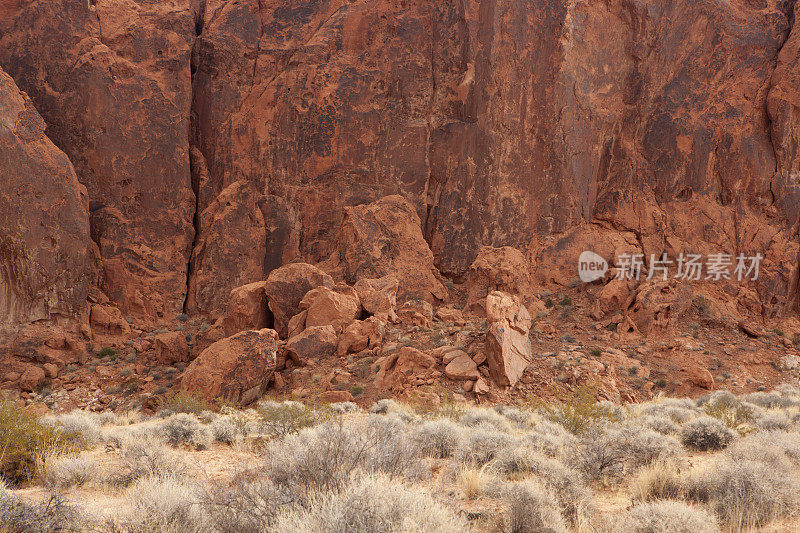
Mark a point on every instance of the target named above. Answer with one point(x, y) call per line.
point(286, 286)
point(497, 269)
point(237, 368)
point(171, 347)
point(316, 342)
point(379, 297)
point(360, 335)
point(246, 309)
point(107, 320)
point(507, 346)
point(416, 313)
point(31, 378)
point(462, 367)
point(326, 306)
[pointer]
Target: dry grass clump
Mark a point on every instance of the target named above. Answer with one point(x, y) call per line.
point(278, 419)
point(82, 423)
point(770, 420)
point(519, 417)
point(745, 493)
point(342, 408)
point(481, 445)
point(69, 471)
point(531, 508)
point(659, 424)
point(439, 438)
point(666, 517)
point(550, 438)
point(146, 457)
point(48, 515)
point(388, 406)
point(183, 428)
point(373, 503)
point(730, 410)
point(161, 505)
point(706, 433)
point(325, 456)
point(677, 410)
point(778, 448)
point(660, 480)
point(183, 402)
point(475, 482)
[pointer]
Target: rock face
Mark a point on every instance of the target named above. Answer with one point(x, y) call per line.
point(44, 227)
point(497, 269)
point(508, 348)
point(112, 81)
point(236, 368)
point(326, 306)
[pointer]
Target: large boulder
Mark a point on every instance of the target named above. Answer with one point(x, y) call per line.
point(247, 309)
point(45, 266)
point(286, 286)
point(497, 269)
point(316, 342)
point(230, 250)
point(379, 296)
point(385, 238)
point(326, 306)
point(171, 347)
point(404, 367)
point(237, 368)
point(360, 335)
point(507, 346)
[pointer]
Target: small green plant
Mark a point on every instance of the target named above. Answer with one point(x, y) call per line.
point(597, 352)
point(612, 326)
point(778, 332)
point(634, 370)
point(107, 352)
point(548, 303)
point(733, 413)
point(356, 390)
point(580, 412)
point(566, 301)
point(661, 383)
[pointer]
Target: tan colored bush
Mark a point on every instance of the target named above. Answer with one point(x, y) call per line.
point(706, 433)
point(667, 517)
point(661, 480)
point(373, 503)
point(50, 514)
point(68, 471)
point(439, 438)
point(283, 418)
point(531, 508)
point(161, 505)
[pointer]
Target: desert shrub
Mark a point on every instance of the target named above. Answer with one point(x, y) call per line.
point(475, 482)
point(388, 406)
point(183, 428)
point(620, 449)
point(770, 420)
point(745, 494)
point(184, 402)
point(488, 417)
point(482, 444)
point(283, 418)
point(660, 424)
point(249, 503)
point(78, 422)
point(161, 505)
point(770, 400)
point(518, 416)
point(565, 483)
point(660, 480)
point(675, 411)
point(580, 412)
point(439, 438)
point(777, 448)
point(725, 407)
point(531, 508)
point(69, 471)
point(225, 429)
point(25, 442)
point(373, 503)
point(667, 517)
point(146, 457)
point(324, 457)
point(706, 433)
point(48, 515)
point(342, 408)
point(551, 438)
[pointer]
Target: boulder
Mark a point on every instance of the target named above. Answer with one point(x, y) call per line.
point(658, 304)
point(237, 368)
point(480, 386)
point(107, 320)
point(700, 377)
point(316, 342)
point(612, 297)
point(360, 335)
point(416, 313)
point(336, 396)
point(507, 346)
point(379, 297)
point(497, 269)
point(296, 324)
point(385, 238)
point(448, 315)
point(32, 378)
point(398, 369)
point(246, 309)
point(171, 347)
point(286, 286)
point(461, 368)
point(326, 306)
